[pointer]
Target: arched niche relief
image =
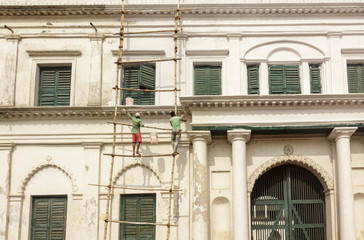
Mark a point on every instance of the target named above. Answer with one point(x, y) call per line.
point(279, 51)
point(359, 216)
point(221, 219)
point(322, 175)
point(40, 168)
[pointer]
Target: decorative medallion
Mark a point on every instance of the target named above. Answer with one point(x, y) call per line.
point(288, 150)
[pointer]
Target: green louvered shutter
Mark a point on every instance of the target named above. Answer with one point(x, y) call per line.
point(54, 86)
point(292, 78)
point(276, 80)
point(253, 79)
point(207, 80)
point(137, 208)
point(356, 78)
point(147, 81)
point(284, 79)
point(131, 80)
point(49, 218)
point(315, 77)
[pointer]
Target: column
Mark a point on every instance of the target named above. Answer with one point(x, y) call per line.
point(305, 82)
point(92, 161)
point(5, 169)
point(341, 136)
point(7, 85)
point(238, 139)
point(94, 93)
point(233, 85)
point(200, 198)
point(264, 79)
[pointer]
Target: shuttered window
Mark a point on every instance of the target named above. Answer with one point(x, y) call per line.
point(253, 79)
point(49, 218)
point(315, 77)
point(140, 77)
point(207, 80)
point(356, 78)
point(284, 79)
point(137, 208)
point(54, 86)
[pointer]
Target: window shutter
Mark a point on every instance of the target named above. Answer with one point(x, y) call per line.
point(64, 87)
point(131, 81)
point(207, 80)
point(58, 218)
point(253, 79)
point(315, 76)
point(276, 80)
point(49, 218)
point(137, 208)
point(201, 87)
point(147, 81)
point(355, 78)
point(215, 80)
point(54, 86)
point(292, 77)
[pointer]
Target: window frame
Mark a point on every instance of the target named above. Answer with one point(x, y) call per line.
point(359, 83)
point(217, 66)
point(284, 79)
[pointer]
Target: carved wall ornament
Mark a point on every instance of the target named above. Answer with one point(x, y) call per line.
point(324, 177)
point(137, 164)
point(48, 164)
point(288, 149)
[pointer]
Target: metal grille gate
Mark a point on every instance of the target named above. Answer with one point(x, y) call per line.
point(288, 203)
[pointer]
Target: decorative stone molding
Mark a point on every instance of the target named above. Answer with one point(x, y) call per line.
point(242, 9)
point(222, 52)
point(137, 164)
point(288, 150)
point(352, 100)
point(47, 53)
point(324, 177)
point(140, 52)
point(78, 112)
point(21, 189)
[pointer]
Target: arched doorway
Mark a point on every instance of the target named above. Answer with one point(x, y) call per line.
point(288, 203)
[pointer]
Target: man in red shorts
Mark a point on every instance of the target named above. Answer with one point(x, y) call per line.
point(135, 130)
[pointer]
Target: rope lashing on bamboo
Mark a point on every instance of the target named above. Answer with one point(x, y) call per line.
point(142, 223)
point(126, 155)
point(136, 188)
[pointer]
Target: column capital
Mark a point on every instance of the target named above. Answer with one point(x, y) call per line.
point(234, 36)
point(6, 146)
point(96, 37)
point(200, 136)
point(238, 134)
point(92, 145)
point(340, 132)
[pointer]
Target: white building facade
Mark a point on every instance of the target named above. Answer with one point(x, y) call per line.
point(273, 92)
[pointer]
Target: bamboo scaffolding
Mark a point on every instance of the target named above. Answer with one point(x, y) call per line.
point(118, 68)
point(161, 10)
point(149, 90)
point(143, 32)
point(144, 61)
point(136, 188)
point(126, 124)
point(125, 155)
point(144, 223)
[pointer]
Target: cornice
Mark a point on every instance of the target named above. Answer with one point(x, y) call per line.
point(273, 101)
point(237, 9)
point(55, 113)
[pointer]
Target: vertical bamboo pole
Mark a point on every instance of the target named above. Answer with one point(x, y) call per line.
point(120, 53)
point(170, 198)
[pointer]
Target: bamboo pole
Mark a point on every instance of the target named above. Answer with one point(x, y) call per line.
point(125, 155)
point(149, 90)
point(118, 67)
point(126, 124)
point(144, 223)
point(144, 61)
point(160, 10)
point(143, 32)
point(136, 188)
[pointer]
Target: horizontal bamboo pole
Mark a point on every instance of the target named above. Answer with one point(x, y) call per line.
point(124, 155)
point(126, 124)
point(160, 10)
point(154, 60)
point(137, 188)
point(142, 32)
point(148, 90)
point(142, 223)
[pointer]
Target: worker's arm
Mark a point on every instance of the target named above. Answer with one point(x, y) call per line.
point(183, 118)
